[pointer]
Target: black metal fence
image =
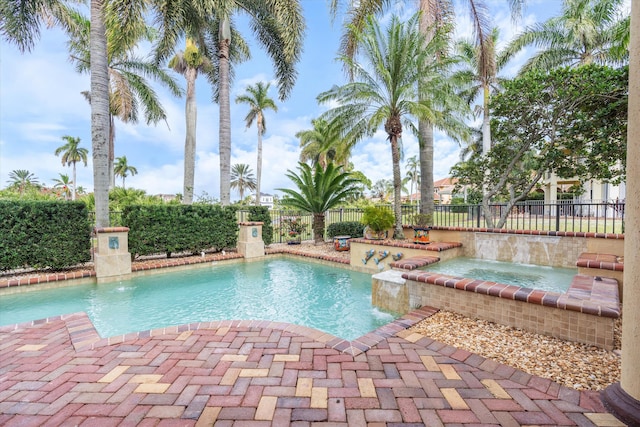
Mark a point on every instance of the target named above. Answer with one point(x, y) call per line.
point(566, 215)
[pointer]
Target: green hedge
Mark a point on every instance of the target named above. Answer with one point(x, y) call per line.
point(171, 229)
point(261, 214)
point(347, 228)
point(40, 234)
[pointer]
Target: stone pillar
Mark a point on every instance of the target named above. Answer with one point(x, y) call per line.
point(623, 399)
point(250, 242)
point(111, 258)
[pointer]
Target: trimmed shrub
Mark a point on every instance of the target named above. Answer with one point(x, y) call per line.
point(40, 234)
point(261, 214)
point(155, 229)
point(346, 228)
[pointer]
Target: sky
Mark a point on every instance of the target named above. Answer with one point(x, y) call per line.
point(41, 101)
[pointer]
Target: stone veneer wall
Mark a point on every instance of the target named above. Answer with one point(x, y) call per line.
point(565, 324)
point(557, 249)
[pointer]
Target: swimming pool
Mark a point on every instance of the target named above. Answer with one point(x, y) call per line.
point(333, 300)
point(554, 279)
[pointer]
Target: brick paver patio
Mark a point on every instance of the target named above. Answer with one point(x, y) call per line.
point(253, 373)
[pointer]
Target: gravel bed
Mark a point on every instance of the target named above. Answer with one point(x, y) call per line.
point(574, 365)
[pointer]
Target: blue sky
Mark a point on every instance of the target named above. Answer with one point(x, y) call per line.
point(41, 101)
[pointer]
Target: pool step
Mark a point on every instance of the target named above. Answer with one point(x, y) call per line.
point(414, 262)
point(600, 261)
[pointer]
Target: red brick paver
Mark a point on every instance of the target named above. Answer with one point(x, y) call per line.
point(260, 373)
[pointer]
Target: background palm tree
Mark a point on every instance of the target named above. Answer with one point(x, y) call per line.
point(323, 144)
point(123, 169)
point(72, 154)
point(434, 15)
point(318, 191)
point(64, 183)
point(242, 179)
point(22, 178)
point(189, 63)
point(129, 90)
point(385, 90)
point(587, 31)
point(278, 26)
point(257, 98)
point(413, 173)
point(382, 190)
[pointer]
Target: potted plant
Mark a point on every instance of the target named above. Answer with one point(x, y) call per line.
point(377, 221)
point(293, 227)
point(421, 227)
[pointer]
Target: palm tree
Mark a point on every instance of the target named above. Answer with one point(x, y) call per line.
point(242, 178)
point(64, 183)
point(72, 154)
point(434, 14)
point(257, 98)
point(382, 190)
point(385, 90)
point(22, 179)
point(20, 23)
point(318, 191)
point(189, 63)
point(413, 173)
point(323, 144)
point(122, 169)
point(129, 90)
point(587, 31)
point(478, 76)
point(278, 26)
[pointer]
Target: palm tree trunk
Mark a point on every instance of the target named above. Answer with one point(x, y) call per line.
point(486, 123)
point(225, 123)
point(259, 162)
point(425, 129)
point(318, 227)
point(100, 113)
point(425, 137)
point(397, 188)
point(112, 150)
point(73, 193)
point(191, 114)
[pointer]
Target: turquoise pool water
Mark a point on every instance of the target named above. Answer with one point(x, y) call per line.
point(334, 300)
point(555, 279)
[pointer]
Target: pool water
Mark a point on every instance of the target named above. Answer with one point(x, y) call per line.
point(554, 279)
point(333, 300)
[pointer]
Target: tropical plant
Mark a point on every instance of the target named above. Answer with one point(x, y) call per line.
point(257, 98)
point(20, 23)
point(413, 174)
point(385, 91)
point(378, 218)
point(72, 154)
point(123, 169)
point(318, 191)
point(129, 90)
point(278, 26)
point(433, 16)
point(189, 63)
point(323, 144)
point(587, 31)
point(22, 179)
point(242, 179)
point(64, 183)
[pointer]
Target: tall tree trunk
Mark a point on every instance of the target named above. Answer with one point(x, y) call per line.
point(112, 150)
point(397, 188)
point(225, 118)
point(259, 161)
point(425, 128)
point(99, 113)
point(486, 123)
point(191, 114)
point(318, 227)
point(73, 193)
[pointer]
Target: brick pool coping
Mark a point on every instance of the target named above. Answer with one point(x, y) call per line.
point(589, 295)
point(600, 261)
point(614, 236)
